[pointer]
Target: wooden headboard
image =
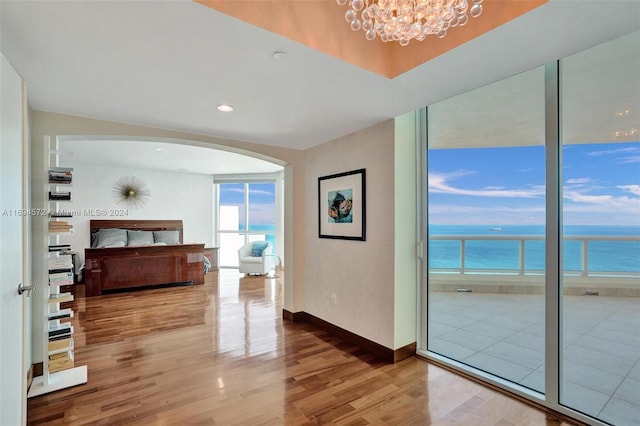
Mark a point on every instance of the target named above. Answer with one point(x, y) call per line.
point(139, 225)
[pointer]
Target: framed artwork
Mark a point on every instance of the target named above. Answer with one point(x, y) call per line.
point(342, 206)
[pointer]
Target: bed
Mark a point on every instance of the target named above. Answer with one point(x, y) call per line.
point(113, 265)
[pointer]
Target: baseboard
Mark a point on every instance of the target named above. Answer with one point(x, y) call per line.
point(292, 316)
point(38, 369)
point(29, 377)
point(379, 351)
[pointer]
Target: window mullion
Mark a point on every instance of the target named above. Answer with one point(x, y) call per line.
point(553, 249)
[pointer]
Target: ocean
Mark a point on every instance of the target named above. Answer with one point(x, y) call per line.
point(268, 229)
point(604, 256)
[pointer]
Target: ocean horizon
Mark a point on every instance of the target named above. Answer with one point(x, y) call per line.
point(604, 256)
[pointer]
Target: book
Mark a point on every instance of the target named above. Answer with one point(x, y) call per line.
point(60, 344)
point(59, 362)
point(62, 261)
point(60, 269)
point(59, 180)
point(59, 196)
point(63, 277)
point(62, 313)
point(61, 225)
point(54, 272)
point(60, 169)
point(58, 223)
point(58, 283)
point(61, 283)
point(60, 228)
point(60, 329)
point(64, 334)
point(60, 297)
point(62, 213)
point(59, 247)
point(61, 337)
point(64, 265)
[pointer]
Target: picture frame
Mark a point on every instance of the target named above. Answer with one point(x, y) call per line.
point(342, 206)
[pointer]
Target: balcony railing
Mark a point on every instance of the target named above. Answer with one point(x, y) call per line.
point(584, 271)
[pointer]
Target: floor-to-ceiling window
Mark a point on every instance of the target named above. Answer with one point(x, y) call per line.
point(532, 229)
point(600, 356)
point(486, 222)
point(247, 211)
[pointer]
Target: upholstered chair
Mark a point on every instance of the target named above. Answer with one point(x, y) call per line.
point(256, 257)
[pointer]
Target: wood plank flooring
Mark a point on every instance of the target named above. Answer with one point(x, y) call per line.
point(220, 354)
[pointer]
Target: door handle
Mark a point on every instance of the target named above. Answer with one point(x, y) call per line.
point(26, 289)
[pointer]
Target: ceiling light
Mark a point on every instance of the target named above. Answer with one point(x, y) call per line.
point(225, 108)
point(403, 20)
point(279, 56)
point(158, 149)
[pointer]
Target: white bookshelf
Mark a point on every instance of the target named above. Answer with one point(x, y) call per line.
point(59, 369)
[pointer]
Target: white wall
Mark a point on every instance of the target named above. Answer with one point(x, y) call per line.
point(406, 207)
point(360, 273)
point(14, 308)
point(184, 196)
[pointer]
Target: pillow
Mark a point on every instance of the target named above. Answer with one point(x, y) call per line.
point(109, 237)
point(94, 239)
point(139, 238)
point(116, 244)
point(258, 247)
point(169, 237)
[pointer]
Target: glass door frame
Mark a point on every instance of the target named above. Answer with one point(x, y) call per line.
point(553, 258)
point(278, 180)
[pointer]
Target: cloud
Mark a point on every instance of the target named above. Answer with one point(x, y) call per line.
point(612, 151)
point(260, 192)
point(629, 160)
point(490, 214)
point(579, 181)
point(604, 204)
point(251, 191)
point(634, 189)
point(438, 184)
point(227, 189)
point(578, 197)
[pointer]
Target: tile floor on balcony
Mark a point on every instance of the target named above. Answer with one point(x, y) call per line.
point(504, 334)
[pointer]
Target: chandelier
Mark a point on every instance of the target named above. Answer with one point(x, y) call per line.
point(403, 20)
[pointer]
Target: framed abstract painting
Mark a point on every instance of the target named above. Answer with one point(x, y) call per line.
point(342, 206)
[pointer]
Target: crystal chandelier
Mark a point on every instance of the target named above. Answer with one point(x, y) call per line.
point(402, 20)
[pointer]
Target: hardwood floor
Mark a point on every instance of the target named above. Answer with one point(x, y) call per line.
point(221, 354)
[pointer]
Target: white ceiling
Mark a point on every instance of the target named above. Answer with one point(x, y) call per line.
point(150, 154)
point(168, 64)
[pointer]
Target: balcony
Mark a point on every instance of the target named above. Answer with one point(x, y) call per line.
point(487, 310)
point(526, 276)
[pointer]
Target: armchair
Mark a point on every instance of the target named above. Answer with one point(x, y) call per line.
point(250, 264)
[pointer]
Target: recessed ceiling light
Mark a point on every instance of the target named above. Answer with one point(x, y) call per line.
point(158, 149)
point(225, 108)
point(279, 56)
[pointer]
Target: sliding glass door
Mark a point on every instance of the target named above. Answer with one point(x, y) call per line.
point(600, 363)
point(531, 221)
point(486, 222)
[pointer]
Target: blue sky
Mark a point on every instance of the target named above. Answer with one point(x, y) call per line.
point(261, 201)
point(505, 186)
